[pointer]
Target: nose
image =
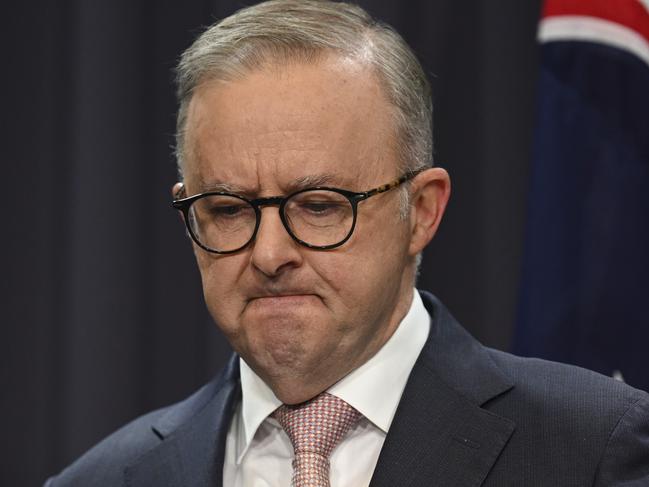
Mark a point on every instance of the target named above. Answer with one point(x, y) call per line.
point(274, 251)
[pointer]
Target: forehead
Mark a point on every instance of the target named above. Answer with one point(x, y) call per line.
point(291, 121)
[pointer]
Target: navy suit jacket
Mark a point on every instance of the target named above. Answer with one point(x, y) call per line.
point(469, 416)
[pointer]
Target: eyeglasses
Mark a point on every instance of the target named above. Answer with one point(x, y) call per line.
point(319, 218)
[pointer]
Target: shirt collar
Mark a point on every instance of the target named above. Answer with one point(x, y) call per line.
point(257, 402)
point(374, 388)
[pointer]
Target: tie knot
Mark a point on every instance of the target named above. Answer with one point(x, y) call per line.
point(317, 425)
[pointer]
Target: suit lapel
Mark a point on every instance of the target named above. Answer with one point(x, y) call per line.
point(440, 434)
point(193, 434)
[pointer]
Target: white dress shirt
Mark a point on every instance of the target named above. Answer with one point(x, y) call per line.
point(258, 453)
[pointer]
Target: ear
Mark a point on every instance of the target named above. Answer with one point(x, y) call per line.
point(430, 191)
point(177, 191)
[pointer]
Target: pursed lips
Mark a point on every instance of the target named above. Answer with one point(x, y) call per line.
point(285, 298)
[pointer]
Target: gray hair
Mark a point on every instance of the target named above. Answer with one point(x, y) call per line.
point(302, 30)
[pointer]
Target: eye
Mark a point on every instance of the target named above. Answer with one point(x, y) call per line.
point(320, 208)
point(229, 211)
point(320, 205)
point(226, 210)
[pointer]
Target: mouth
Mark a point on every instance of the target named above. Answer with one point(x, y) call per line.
point(282, 296)
point(282, 299)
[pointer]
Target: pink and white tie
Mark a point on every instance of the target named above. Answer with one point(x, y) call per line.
point(315, 428)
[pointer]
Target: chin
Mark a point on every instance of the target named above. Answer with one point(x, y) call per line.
point(294, 387)
point(276, 353)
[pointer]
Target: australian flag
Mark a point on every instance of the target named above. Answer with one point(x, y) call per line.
point(585, 276)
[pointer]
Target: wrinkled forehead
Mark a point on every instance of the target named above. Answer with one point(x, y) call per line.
point(328, 119)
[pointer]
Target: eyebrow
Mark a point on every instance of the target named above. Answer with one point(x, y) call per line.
point(298, 184)
point(312, 181)
point(223, 187)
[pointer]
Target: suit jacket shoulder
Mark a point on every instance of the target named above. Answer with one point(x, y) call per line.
point(101, 464)
point(582, 427)
point(176, 445)
point(473, 416)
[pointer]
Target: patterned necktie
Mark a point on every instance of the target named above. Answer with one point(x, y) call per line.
point(315, 428)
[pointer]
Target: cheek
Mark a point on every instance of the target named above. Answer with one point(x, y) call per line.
point(362, 275)
point(380, 245)
point(220, 276)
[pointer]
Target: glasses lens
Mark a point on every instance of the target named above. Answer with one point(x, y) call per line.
point(222, 223)
point(319, 217)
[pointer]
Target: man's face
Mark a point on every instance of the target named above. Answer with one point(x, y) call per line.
point(302, 318)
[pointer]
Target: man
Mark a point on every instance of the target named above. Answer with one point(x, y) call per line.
point(304, 146)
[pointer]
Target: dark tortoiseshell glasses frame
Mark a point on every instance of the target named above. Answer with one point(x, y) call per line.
point(183, 204)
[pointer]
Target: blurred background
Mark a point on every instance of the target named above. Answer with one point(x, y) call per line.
point(103, 316)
